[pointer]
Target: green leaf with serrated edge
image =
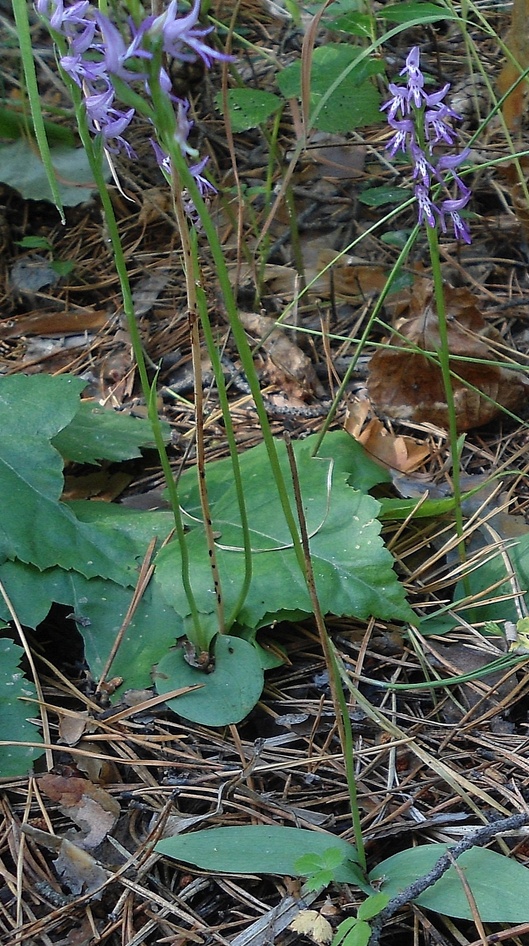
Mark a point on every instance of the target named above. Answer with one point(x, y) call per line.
point(15, 713)
point(249, 107)
point(226, 694)
point(32, 591)
point(97, 611)
point(416, 11)
point(260, 849)
point(96, 433)
point(354, 102)
point(499, 885)
point(100, 607)
point(352, 568)
point(35, 526)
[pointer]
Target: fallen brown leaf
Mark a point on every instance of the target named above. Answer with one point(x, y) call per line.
point(90, 807)
point(407, 386)
point(391, 450)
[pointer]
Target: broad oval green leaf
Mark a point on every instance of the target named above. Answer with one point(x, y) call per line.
point(226, 695)
point(499, 885)
point(354, 102)
point(260, 849)
point(352, 567)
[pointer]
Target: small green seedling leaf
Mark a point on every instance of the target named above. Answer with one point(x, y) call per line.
point(499, 885)
point(352, 932)
point(15, 714)
point(249, 108)
point(260, 849)
point(372, 906)
point(96, 433)
point(320, 870)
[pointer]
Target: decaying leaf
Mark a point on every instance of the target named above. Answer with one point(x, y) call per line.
point(518, 189)
point(351, 278)
point(91, 808)
point(394, 451)
point(517, 42)
point(311, 923)
point(285, 356)
point(78, 869)
point(407, 386)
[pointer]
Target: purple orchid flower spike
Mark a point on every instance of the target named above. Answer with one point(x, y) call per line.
point(99, 54)
point(424, 123)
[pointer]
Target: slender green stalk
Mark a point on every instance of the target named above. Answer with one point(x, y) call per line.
point(95, 160)
point(340, 703)
point(20, 11)
point(241, 342)
point(444, 363)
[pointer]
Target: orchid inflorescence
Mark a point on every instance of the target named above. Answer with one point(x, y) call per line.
point(420, 122)
point(100, 61)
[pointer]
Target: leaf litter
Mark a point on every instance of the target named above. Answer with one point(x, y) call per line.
point(421, 778)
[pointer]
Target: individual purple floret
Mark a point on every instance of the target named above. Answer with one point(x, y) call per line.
point(179, 32)
point(420, 122)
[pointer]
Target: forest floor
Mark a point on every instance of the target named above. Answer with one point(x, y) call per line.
point(430, 764)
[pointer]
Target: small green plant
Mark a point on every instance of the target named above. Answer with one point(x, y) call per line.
point(61, 267)
point(319, 870)
point(356, 931)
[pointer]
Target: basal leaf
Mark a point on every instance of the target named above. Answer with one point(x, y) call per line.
point(227, 693)
point(353, 569)
point(35, 526)
point(260, 849)
point(15, 714)
point(96, 433)
point(22, 168)
point(100, 607)
point(499, 885)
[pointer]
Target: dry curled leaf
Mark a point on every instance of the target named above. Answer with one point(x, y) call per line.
point(91, 808)
point(391, 450)
point(407, 386)
point(288, 366)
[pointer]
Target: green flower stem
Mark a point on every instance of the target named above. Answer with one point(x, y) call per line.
point(341, 708)
point(94, 159)
point(20, 11)
point(198, 302)
point(444, 363)
point(239, 335)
